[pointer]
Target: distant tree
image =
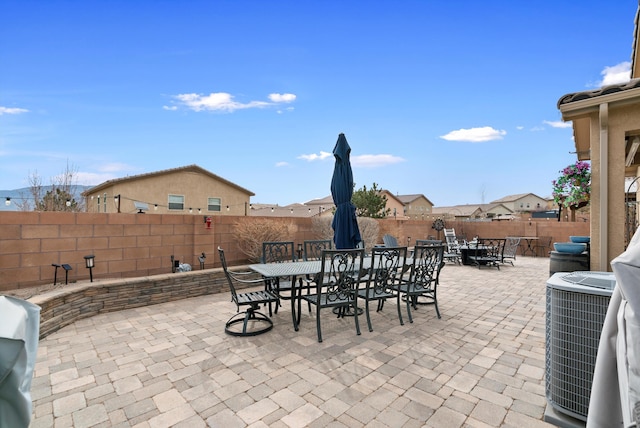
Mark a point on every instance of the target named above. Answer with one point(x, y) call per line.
point(60, 195)
point(370, 203)
point(57, 200)
point(572, 189)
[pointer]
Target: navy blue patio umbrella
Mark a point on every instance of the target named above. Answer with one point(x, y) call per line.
point(345, 226)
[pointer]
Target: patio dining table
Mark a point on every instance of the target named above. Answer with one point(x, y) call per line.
point(530, 244)
point(295, 270)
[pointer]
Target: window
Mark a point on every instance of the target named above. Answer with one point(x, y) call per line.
point(213, 204)
point(176, 202)
point(528, 205)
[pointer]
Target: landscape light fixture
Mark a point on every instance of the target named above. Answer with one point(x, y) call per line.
point(89, 263)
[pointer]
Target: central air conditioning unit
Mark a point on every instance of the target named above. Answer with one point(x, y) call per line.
point(577, 304)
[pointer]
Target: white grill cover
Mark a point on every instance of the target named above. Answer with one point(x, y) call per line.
point(615, 393)
point(19, 332)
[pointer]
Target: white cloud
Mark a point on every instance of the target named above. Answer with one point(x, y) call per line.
point(537, 129)
point(475, 135)
point(222, 101)
point(12, 110)
point(115, 167)
point(373, 161)
point(281, 164)
point(519, 128)
point(282, 98)
point(557, 123)
point(616, 74)
point(92, 178)
point(314, 157)
point(107, 171)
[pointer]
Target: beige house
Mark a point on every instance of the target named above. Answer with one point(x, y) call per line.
point(394, 205)
point(322, 207)
point(458, 212)
point(416, 206)
point(606, 131)
point(497, 211)
point(185, 190)
point(523, 202)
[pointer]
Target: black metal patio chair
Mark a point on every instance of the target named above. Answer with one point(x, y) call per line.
point(423, 279)
point(337, 284)
point(278, 252)
point(383, 278)
point(253, 321)
point(313, 248)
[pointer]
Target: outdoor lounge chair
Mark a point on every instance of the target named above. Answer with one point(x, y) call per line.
point(510, 249)
point(389, 241)
point(253, 322)
point(452, 252)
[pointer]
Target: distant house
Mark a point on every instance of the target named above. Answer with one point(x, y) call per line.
point(323, 206)
point(416, 206)
point(459, 212)
point(394, 206)
point(474, 212)
point(523, 202)
point(497, 211)
point(185, 190)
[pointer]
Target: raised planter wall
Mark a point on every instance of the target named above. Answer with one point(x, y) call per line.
point(69, 303)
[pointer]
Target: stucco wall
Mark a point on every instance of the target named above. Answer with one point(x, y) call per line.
point(135, 245)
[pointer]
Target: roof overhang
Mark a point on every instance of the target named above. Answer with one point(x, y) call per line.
point(579, 107)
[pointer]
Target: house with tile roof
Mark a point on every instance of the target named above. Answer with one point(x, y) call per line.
point(416, 205)
point(459, 212)
point(184, 190)
point(606, 132)
point(523, 202)
point(493, 211)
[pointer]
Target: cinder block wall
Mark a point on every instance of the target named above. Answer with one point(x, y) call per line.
point(136, 245)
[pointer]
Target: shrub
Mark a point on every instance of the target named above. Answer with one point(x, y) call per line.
point(369, 229)
point(252, 232)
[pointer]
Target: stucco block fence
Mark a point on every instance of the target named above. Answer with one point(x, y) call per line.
point(69, 303)
point(141, 245)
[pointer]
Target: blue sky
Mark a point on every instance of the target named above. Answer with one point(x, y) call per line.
point(455, 100)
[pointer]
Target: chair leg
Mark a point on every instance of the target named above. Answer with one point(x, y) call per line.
point(318, 322)
point(366, 308)
point(399, 306)
point(408, 300)
point(435, 303)
point(355, 315)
